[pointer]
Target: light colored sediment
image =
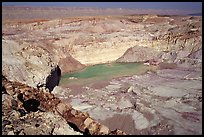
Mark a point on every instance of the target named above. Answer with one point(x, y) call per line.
point(151, 97)
point(166, 101)
point(23, 63)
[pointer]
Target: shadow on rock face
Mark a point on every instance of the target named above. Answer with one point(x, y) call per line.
point(3, 90)
point(86, 132)
point(30, 105)
point(53, 79)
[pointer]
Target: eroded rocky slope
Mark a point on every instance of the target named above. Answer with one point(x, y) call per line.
point(32, 111)
point(180, 40)
point(109, 37)
point(37, 52)
point(35, 63)
point(28, 64)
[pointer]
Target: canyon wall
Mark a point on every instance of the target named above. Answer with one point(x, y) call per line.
point(182, 44)
point(73, 43)
point(26, 64)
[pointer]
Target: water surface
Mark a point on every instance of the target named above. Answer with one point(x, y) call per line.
point(103, 72)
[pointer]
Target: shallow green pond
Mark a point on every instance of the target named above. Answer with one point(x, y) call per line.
point(103, 72)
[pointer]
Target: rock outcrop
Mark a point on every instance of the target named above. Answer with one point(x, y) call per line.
point(139, 54)
point(179, 42)
point(147, 104)
point(27, 64)
point(35, 64)
point(69, 64)
point(174, 37)
point(46, 118)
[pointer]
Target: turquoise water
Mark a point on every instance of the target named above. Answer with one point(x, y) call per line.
point(102, 72)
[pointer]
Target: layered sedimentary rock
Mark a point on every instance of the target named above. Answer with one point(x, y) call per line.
point(110, 37)
point(180, 42)
point(36, 52)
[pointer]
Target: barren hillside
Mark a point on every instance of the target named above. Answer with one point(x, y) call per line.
point(40, 44)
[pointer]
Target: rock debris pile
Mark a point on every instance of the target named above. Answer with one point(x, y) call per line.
point(32, 111)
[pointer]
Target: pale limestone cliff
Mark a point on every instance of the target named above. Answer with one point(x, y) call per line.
point(25, 63)
point(179, 42)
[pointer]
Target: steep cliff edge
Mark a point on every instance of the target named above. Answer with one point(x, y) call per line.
point(27, 64)
point(180, 43)
point(95, 40)
point(35, 64)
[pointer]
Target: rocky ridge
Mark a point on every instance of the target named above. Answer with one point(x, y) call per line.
point(21, 115)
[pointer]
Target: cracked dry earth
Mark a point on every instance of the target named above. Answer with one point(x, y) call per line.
point(168, 101)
